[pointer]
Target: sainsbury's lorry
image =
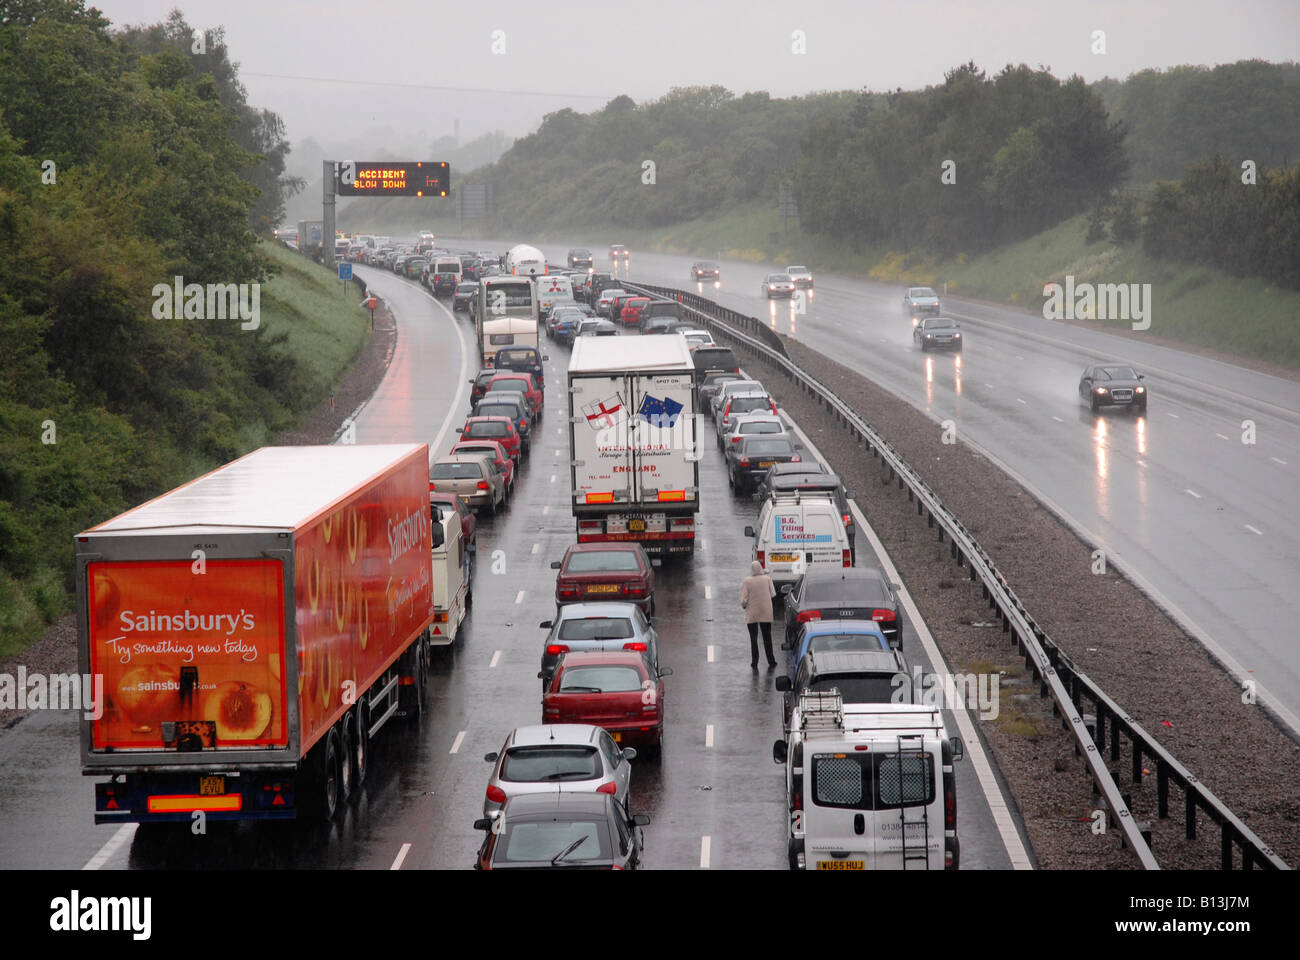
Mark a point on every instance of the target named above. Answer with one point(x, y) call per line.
point(255, 628)
point(634, 458)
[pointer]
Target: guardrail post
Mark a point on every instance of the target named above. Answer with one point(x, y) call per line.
point(1162, 790)
point(1114, 740)
point(1189, 812)
point(1225, 845)
point(1136, 772)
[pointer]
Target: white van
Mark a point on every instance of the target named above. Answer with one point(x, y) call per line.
point(796, 534)
point(451, 572)
point(554, 289)
point(869, 786)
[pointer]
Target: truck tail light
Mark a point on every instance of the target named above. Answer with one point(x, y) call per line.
point(496, 794)
point(610, 788)
point(588, 524)
point(806, 616)
point(555, 649)
point(883, 616)
point(848, 558)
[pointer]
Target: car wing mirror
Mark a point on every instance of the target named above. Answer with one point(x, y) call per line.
point(555, 564)
point(665, 671)
point(482, 823)
point(787, 588)
point(641, 819)
point(778, 751)
point(656, 562)
point(850, 495)
point(546, 624)
point(958, 748)
point(749, 531)
point(783, 684)
point(491, 757)
point(629, 753)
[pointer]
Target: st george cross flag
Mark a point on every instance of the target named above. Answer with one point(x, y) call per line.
point(659, 413)
point(601, 416)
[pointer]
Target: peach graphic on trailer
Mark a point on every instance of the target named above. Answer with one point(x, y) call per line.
point(149, 693)
point(240, 710)
point(107, 599)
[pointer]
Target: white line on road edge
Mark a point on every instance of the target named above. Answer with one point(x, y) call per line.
point(1175, 416)
point(708, 735)
point(124, 833)
point(705, 844)
point(401, 856)
point(1057, 419)
point(1221, 436)
point(708, 592)
point(1193, 493)
point(709, 653)
point(1259, 533)
point(560, 431)
point(557, 453)
point(546, 509)
point(974, 749)
point(1018, 400)
point(989, 385)
point(455, 744)
point(496, 658)
point(702, 543)
point(519, 597)
point(552, 478)
point(1276, 460)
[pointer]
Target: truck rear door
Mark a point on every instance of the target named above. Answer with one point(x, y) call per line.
point(602, 461)
point(662, 438)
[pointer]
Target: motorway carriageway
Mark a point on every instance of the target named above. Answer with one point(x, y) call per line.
point(715, 797)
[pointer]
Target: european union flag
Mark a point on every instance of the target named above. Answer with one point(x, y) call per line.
point(659, 413)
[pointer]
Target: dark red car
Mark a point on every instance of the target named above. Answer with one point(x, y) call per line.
point(500, 429)
point(606, 571)
point(614, 689)
point(495, 452)
point(519, 383)
point(468, 522)
point(631, 312)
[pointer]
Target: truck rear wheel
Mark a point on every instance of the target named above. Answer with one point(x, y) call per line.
point(360, 747)
point(319, 786)
point(347, 744)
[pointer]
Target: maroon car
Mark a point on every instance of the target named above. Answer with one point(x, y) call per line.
point(500, 429)
point(606, 571)
point(614, 689)
point(517, 382)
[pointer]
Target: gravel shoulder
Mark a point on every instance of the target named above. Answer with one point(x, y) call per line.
point(1113, 632)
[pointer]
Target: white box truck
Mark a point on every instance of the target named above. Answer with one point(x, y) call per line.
point(633, 445)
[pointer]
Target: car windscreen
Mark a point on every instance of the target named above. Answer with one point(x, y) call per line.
point(603, 561)
point(456, 471)
point(746, 404)
point(918, 292)
point(872, 781)
point(498, 410)
point(939, 324)
point(844, 642)
point(467, 288)
point(614, 678)
point(706, 357)
point(866, 687)
point(518, 386)
point(517, 356)
point(1116, 373)
point(487, 430)
point(855, 592)
point(761, 426)
point(764, 448)
point(528, 841)
point(544, 762)
point(490, 452)
point(596, 628)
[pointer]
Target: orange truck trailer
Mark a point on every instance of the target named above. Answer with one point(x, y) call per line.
point(255, 629)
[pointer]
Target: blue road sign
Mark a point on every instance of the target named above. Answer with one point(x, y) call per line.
point(345, 271)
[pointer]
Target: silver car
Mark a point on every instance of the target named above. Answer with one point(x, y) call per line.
point(748, 424)
point(777, 285)
point(731, 386)
point(597, 626)
point(559, 757)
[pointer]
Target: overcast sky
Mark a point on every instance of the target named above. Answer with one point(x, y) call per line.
point(333, 69)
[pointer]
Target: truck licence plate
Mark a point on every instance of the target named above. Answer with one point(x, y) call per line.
point(841, 865)
point(212, 786)
point(603, 588)
point(784, 557)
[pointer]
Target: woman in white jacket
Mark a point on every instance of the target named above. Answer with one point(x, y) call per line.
point(756, 593)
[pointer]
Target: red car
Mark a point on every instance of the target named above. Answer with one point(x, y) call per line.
point(614, 689)
point(606, 571)
point(495, 452)
point(520, 383)
point(500, 429)
point(631, 312)
point(468, 522)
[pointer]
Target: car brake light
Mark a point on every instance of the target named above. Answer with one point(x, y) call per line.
point(496, 794)
point(635, 645)
point(736, 438)
point(482, 485)
point(848, 558)
point(795, 459)
point(847, 520)
point(431, 486)
point(774, 413)
point(949, 811)
point(806, 615)
point(883, 616)
point(567, 593)
point(634, 591)
point(610, 788)
point(555, 649)
point(742, 461)
point(761, 557)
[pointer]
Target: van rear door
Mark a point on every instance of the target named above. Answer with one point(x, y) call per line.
point(839, 827)
point(908, 797)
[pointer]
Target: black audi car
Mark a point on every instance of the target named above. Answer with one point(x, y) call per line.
point(1113, 385)
point(850, 594)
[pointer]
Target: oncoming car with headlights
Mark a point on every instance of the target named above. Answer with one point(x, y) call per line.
point(1113, 385)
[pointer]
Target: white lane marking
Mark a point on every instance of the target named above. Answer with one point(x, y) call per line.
point(1019, 357)
point(1018, 400)
point(708, 735)
point(455, 744)
point(1258, 533)
point(708, 592)
point(1221, 436)
point(704, 543)
point(124, 833)
point(536, 547)
point(560, 431)
point(401, 855)
point(552, 478)
point(989, 385)
point(1057, 419)
point(710, 653)
point(705, 849)
point(1276, 460)
point(974, 751)
point(496, 658)
point(1193, 493)
point(519, 597)
point(1175, 416)
point(557, 453)
point(546, 509)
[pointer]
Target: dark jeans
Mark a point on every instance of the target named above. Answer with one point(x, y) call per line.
point(767, 643)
